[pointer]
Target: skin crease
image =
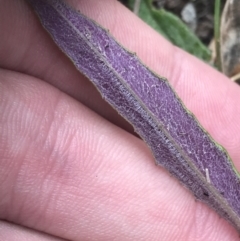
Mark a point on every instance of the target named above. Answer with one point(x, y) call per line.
point(11, 232)
point(68, 167)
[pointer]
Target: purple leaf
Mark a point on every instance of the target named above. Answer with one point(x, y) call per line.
point(148, 102)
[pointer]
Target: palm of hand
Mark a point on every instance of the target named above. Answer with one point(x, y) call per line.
point(67, 169)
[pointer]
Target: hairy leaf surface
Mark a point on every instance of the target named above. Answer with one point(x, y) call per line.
point(148, 102)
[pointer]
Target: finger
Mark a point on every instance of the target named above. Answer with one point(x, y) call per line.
point(11, 232)
point(68, 172)
point(26, 47)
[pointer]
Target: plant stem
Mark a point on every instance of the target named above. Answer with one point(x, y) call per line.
point(136, 6)
point(236, 77)
point(217, 20)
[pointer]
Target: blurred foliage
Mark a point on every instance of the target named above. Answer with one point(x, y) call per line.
point(172, 28)
point(230, 40)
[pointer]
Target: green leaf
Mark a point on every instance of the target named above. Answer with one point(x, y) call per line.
point(172, 28)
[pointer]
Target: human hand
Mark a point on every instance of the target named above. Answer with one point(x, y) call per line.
point(67, 171)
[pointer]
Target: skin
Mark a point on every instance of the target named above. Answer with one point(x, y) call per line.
point(70, 166)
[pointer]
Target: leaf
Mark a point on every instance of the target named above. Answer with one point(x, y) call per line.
point(148, 102)
point(230, 38)
point(146, 15)
point(172, 28)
